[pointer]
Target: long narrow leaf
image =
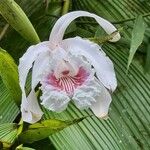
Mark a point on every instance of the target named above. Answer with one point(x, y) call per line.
point(137, 37)
point(15, 16)
point(39, 131)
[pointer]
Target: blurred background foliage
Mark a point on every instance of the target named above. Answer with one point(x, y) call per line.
point(129, 124)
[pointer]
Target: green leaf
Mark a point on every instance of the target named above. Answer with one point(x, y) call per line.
point(8, 107)
point(20, 147)
point(65, 8)
point(25, 148)
point(9, 75)
point(137, 37)
point(15, 16)
point(8, 134)
point(39, 131)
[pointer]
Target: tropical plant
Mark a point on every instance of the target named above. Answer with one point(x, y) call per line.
point(128, 124)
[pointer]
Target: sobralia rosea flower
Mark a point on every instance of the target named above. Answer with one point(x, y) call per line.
point(68, 69)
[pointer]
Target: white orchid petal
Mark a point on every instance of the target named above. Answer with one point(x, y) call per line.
point(54, 100)
point(25, 64)
point(101, 106)
point(41, 64)
point(84, 96)
point(31, 112)
point(26, 61)
point(95, 55)
point(59, 28)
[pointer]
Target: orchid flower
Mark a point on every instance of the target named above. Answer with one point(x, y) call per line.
point(68, 69)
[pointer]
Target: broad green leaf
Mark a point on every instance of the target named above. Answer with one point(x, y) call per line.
point(15, 16)
point(39, 131)
point(9, 75)
point(137, 37)
point(8, 134)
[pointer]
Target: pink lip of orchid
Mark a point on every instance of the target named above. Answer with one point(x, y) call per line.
point(66, 70)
